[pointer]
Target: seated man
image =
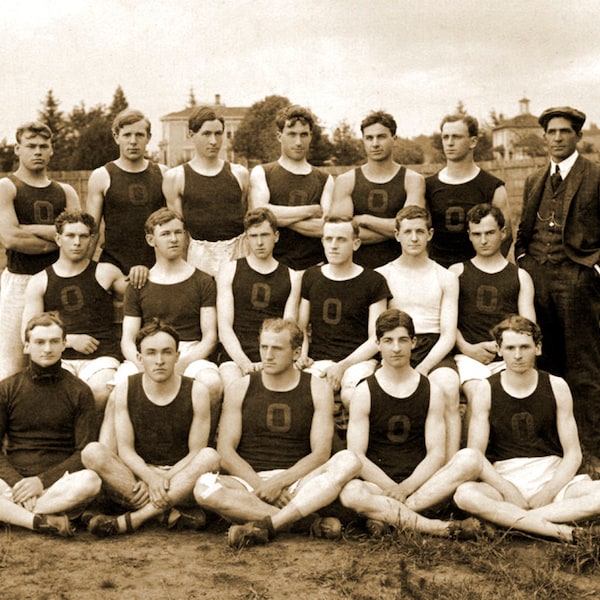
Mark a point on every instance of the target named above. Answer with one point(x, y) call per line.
point(340, 303)
point(251, 290)
point(179, 294)
point(397, 430)
point(162, 423)
point(47, 416)
point(82, 292)
point(275, 442)
point(429, 294)
point(522, 421)
point(491, 288)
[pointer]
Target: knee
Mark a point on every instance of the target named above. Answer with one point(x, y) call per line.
point(464, 495)
point(90, 483)
point(95, 455)
point(209, 459)
point(345, 465)
point(353, 494)
point(467, 463)
point(213, 382)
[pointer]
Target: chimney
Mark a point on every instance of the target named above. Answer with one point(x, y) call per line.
point(524, 106)
point(217, 99)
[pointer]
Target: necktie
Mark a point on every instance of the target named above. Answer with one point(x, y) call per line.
point(555, 179)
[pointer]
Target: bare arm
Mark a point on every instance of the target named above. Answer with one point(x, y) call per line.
point(243, 177)
point(303, 322)
point(293, 302)
point(34, 298)
point(526, 294)
point(208, 326)
point(342, 205)
point(98, 183)
point(131, 326)
point(172, 187)
point(500, 200)
point(448, 322)
point(414, 183)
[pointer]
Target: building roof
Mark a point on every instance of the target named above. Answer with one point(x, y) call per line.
point(221, 109)
point(519, 122)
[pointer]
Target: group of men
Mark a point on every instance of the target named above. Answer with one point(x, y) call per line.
point(381, 294)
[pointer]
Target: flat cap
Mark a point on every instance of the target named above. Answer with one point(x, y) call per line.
point(575, 116)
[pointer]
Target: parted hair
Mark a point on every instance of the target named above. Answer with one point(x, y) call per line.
point(153, 327)
point(75, 216)
point(518, 324)
point(34, 128)
point(392, 318)
point(292, 114)
point(471, 123)
point(479, 211)
point(45, 319)
point(160, 217)
point(379, 116)
point(412, 211)
point(129, 116)
point(258, 215)
point(201, 115)
point(278, 324)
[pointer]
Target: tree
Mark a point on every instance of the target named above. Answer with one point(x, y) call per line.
point(53, 117)
point(191, 99)
point(408, 152)
point(321, 148)
point(7, 156)
point(256, 137)
point(532, 145)
point(348, 149)
point(95, 145)
point(119, 103)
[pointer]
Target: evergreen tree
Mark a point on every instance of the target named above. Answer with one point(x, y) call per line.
point(119, 103)
point(51, 115)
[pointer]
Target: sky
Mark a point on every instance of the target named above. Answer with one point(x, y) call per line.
point(342, 58)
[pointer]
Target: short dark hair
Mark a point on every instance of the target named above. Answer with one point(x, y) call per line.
point(45, 319)
point(35, 128)
point(379, 116)
point(392, 318)
point(160, 217)
point(351, 220)
point(292, 114)
point(129, 116)
point(152, 327)
point(479, 211)
point(259, 215)
point(201, 115)
point(278, 324)
point(518, 324)
point(471, 123)
point(75, 216)
point(412, 211)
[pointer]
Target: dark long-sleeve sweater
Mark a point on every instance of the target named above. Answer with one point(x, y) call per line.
point(48, 416)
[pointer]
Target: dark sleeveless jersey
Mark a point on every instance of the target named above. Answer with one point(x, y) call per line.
point(276, 425)
point(288, 189)
point(339, 311)
point(256, 297)
point(449, 204)
point(129, 201)
point(380, 200)
point(486, 299)
point(85, 307)
point(35, 206)
point(212, 204)
point(161, 432)
point(523, 427)
point(397, 429)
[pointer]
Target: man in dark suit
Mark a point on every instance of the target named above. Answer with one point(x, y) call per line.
point(558, 243)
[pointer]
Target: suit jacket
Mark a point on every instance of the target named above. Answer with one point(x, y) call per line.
point(581, 230)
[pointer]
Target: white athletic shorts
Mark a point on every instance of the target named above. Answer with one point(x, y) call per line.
point(212, 481)
point(529, 475)
point(469, 368)
point(353, 375)
point(12, 302)
point(210, 257)
point(85, 369)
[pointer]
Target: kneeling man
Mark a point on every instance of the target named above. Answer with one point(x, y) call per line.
point(47, 415)
point(162, 423)
point(275, 439)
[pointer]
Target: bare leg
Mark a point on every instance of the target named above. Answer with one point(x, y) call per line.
point(108, 436)
point(448, 380)
point(70, 491)
point(230, 373)
point(582, 501)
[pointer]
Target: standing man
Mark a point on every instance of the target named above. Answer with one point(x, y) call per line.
point(429, 293)
point(47, 416)
point(275, 441)
point(251, 290)
point(460, 185)
point(82, 292)
point(297, 193)
point(397, 430)
point(558, 243)
point(491, 288)
point(162, 421)
point(179, 294)
point(376, 191)
point(527, 452)
point(29, 203)
point(124, 192)
point(210, 194)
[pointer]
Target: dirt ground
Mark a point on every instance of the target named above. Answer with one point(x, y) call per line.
point(157, 564)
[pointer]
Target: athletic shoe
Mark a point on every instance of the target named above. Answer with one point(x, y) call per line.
point(106, 525)
point(377, 529)
point(53, 525)
point(248, 534)
point(195, 519)
point(471, 529)
point(328, 528)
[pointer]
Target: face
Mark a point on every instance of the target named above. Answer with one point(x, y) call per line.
point(456, 141)
point(339, 243)
point(34, 151)
point(295, 140)
point(276, 352)
point(414, 235)
point(45, 345)
point(561, 138)
point(486, 236)
point(261, 239)
point(396, 346)
point(74, 241)
point(378, 142)
point(132, 140)
point(158, 356)
point(518, 351)
point(208, 139)
point(168, 239)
